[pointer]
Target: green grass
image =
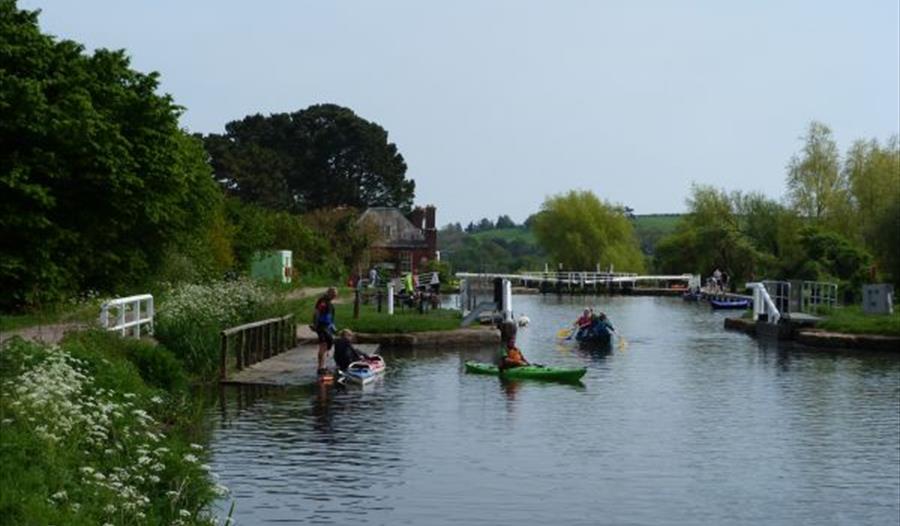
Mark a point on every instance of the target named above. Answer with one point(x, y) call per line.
point(403, 321)
point(851, 320)
point(62, 313)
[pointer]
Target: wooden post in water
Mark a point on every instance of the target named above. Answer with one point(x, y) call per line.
point(223, 367)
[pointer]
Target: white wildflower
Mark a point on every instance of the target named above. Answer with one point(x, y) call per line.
point(190, 458)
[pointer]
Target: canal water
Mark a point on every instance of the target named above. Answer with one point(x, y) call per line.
point(687, 424)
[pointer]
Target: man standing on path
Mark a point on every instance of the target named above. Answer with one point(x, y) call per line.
point(323, 324)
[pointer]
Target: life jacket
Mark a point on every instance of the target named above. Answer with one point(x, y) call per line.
point(323, 314)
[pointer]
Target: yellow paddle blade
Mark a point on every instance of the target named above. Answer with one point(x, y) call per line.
point(622, 343)
point(563, 333)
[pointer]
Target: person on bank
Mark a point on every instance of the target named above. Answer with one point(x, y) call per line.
point(344, 352)
point(323, 325)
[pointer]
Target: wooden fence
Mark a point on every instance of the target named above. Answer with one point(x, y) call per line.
point(257, 341)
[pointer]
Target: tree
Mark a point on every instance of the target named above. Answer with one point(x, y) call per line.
point(873, 174)
point(96, 178)
point(710, 236)
point(322, 157)
point(816, 187)
point(579, 230)
point(504, 221)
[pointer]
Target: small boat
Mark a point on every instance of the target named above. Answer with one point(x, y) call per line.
point(596, 333)
point(730, 304)
point(537, 372)
point(365, 371)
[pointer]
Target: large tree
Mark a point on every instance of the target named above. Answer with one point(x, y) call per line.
point(320, 157)
point(579, 230)
point(96, 178)
point(816, 186)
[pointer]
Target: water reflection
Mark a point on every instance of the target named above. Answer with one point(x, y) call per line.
point(691, 424)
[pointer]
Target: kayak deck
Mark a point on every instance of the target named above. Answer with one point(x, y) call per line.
point(563, 374)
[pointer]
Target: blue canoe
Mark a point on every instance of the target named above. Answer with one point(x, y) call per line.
point(730, 304)
point(594, 334)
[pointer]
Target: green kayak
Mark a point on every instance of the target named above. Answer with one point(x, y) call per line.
point(559, 374)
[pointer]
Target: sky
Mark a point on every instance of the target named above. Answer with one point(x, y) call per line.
point(496, 105)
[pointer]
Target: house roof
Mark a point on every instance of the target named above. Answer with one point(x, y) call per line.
point(396, 230)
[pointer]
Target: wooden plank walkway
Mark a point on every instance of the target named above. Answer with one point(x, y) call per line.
point(296, 366)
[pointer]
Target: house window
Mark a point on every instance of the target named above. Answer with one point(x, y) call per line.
point(405, 261)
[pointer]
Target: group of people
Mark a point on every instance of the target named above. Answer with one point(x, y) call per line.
point(719, 281)
point(589, 321)
point(323, 325)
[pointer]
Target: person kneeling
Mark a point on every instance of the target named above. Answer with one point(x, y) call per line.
point(344, 352)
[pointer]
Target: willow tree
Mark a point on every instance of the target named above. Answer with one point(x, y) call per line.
point(817, 187)
point(580, 231)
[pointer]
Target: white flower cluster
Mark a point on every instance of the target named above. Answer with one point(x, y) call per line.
point(58, 401)
point(222, 301)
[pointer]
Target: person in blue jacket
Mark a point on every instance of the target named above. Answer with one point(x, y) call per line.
point(323, 324)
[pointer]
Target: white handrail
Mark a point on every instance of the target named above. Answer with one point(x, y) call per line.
point(763, 304)
point(124, 306)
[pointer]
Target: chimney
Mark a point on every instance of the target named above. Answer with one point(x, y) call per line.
point(416, 217)
point(430, 231)
point(429, 217)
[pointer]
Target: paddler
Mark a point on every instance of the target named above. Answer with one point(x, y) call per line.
point(344, 352)
point(509, 356)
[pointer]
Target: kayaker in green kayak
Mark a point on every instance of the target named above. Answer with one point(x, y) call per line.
point(509, 356)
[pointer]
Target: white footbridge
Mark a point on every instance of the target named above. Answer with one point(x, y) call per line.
point(583, 279)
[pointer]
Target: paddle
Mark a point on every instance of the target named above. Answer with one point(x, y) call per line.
point(565, 334)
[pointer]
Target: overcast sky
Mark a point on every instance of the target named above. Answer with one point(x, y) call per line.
point(497, 104)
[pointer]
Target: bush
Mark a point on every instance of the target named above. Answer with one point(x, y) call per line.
point(195, 343)
point(190, 318)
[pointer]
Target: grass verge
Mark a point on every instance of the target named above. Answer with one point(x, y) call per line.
point(852, 320)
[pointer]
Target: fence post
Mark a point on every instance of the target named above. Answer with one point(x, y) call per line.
point(223, 366)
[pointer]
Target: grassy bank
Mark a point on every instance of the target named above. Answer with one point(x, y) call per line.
point(851, 320)
point(81, 312)
point(99, 430)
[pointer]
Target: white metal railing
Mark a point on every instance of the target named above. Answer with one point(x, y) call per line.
point(763, 304)
point(129, 313)
point(817, 294)
point(577, 278)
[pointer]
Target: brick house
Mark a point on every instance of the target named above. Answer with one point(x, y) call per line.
point(407, 242)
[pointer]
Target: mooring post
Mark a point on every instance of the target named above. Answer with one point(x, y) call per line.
point(223, 366)
point(390, 298)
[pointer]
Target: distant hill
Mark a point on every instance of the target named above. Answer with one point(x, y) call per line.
point(650, 228)
point(509, 235)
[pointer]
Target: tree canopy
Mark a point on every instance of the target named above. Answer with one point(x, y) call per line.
point(579, 230)
point(321, 157)
point(96, 178)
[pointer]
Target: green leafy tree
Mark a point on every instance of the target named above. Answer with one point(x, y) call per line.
point(504, 221)
point(321, 157)
point(96, 178)
point(816, 186)
point(873, 173)
point(579, 230)
point(711, 236)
